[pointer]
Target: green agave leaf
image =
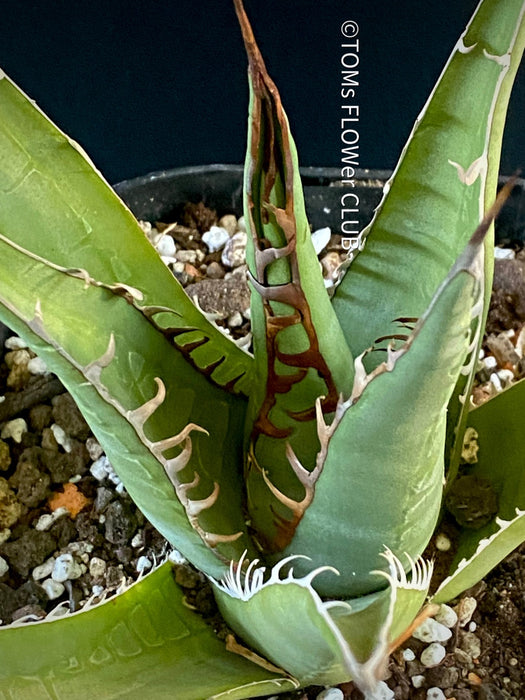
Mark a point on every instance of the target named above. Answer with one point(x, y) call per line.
point(322, 642)
point(490, 551)
point(300, 350)
point(144, 642)
point(437, 194)
point(501, 440)
point(55, 203)
point(394, 422)
point(111, 343)
point(371, 624)
point(118, 366)
point(459, 405)
point(286, 621)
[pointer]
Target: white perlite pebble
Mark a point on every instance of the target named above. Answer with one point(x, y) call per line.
point(432, 631)
point(443, 544)
point(15, 343)
point(504, 254)
point(54, 589)
point(61, 437)
point(465, 609)
point(94, 449)
point(4, 566)
point(435, 694)
point(14, 429)
point(97, 567)
point(166, 246)
point(241, 224)
point(408, 654)
point(43, 570)
point(321, 238)
point(138, 539)
point(176, 557)
point(143, 564)
point(433, 655)
point(216, 238)
point(490, 362)
point(36, 365)
point(506, 377)
point(383, 692)
point(234, 253)
point(120, 488)
point(330, 694)
point(447, 616)
point(235, 320)
point(496, 382)
point(44, 522)
point(101, 468)
point(418, 681)
point(97, 590)
point(66, 568)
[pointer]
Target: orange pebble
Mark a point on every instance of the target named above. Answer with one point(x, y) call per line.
point(474, 679)
point(71, 498)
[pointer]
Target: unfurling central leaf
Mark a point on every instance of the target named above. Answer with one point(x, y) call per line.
point(300, 352)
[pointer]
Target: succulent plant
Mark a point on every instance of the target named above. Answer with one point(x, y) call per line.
point(307, 479)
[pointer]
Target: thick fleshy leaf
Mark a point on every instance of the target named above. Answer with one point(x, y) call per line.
point(117, 366)
point(491, 550)
point(55, 203)
point(285, 619)
point(458, 406)
point(370, 624)
point(322, 642)
point(394, 422)
point(80, 281)
point(300, 350)
point(501, 439)
point(144, 642)
point(438, 191)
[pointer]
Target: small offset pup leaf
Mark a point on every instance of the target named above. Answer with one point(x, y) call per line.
point(501, 439)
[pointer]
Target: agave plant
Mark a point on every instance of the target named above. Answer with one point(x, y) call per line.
point(304, 480)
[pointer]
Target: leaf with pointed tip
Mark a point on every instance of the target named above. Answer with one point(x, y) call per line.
point(395, 424)
point(499, 425)
point(300, 350)
point(81, 283)
point(116, 389)
point(437, 193)
point(144, 642)
point(55, 203)
point(485, 24)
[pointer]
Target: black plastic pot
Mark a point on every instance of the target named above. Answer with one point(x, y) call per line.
point(160, 196)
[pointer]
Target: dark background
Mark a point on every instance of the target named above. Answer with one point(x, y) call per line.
point(145, 85)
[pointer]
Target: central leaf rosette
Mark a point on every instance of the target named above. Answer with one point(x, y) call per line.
point(324, 430)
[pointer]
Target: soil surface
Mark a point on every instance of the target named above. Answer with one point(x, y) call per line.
point(69, 532)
